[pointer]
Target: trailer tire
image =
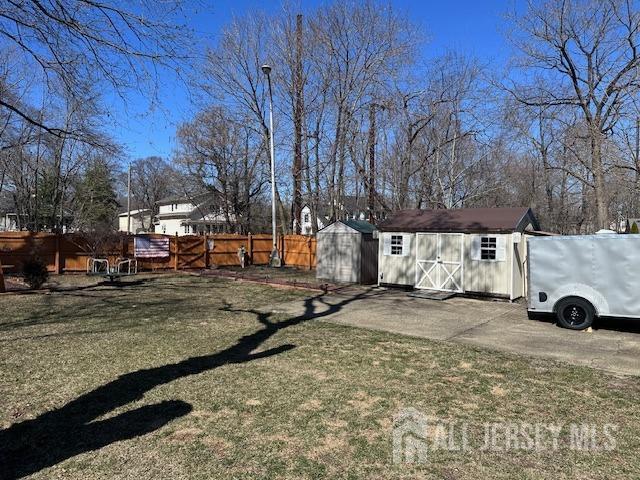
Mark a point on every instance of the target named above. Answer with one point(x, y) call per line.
point(575, 313)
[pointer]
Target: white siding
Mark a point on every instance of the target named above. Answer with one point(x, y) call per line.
point(488, 276)
point(176, 208)
point(338, 254)
point(396, 269)
point(173, 226)
point(482, 276)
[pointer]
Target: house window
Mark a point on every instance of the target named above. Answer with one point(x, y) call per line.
point(396, 244)
point(306, 218)
point(164, 229)
point(186, 229)
point(488, 247)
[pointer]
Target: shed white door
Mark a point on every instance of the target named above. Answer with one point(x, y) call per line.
point(439, 261)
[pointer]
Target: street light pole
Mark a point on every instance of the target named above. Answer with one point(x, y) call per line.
point(274, 259)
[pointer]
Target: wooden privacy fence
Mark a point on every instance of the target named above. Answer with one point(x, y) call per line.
point(69, 252)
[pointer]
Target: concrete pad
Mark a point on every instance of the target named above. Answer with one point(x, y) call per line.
point(491, 324)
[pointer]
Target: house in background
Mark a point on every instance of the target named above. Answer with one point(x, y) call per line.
point(8, 216)
point(198, 215)
point(306, 223)
point(626, 226)
point(8, 222)
point(350, 207)
point(139, 218)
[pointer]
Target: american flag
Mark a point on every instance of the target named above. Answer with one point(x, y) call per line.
point(147, 247)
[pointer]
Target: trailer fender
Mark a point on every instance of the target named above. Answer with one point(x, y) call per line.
point(581, 290)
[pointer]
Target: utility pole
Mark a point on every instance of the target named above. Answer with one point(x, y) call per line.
point(372, 162)
point(129, 201)
point(274, 259)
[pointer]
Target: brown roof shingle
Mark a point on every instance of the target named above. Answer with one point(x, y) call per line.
point(464, 220)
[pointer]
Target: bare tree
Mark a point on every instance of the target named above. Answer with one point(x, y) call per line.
point(74, 45)
point(585, 57)
point(225, 158)
point(152, 179)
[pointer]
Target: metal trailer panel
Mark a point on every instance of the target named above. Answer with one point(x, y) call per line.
point(598, 268)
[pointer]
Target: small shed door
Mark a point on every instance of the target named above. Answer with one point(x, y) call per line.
point(338, 257)
point(439, 261)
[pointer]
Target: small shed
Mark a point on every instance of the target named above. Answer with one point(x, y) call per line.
point(347, 252)
point(467, 250)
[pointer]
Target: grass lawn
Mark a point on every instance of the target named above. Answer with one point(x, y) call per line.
point(179, 377)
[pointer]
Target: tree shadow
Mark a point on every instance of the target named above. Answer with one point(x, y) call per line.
point(54, 436)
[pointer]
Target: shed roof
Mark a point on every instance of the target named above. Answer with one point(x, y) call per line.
point(464, 220)
point(360, 225)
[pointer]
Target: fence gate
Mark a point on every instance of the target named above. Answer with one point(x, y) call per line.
point(192, 252)
point(440, 261)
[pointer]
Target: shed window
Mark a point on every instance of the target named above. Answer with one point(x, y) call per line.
point(488, 248)
point(396, 244)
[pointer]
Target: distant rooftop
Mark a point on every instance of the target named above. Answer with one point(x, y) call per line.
point(135, 212)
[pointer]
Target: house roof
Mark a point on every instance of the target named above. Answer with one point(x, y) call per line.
point(135, 212)
point(464, 220)
point(361, 226)
point(194, 199)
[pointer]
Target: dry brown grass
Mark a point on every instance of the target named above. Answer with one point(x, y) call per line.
point(317, 402)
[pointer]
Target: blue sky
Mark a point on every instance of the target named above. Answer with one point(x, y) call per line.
point(473, 27)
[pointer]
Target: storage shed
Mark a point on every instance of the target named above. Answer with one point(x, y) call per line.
point(468, 250)
point(347, 252)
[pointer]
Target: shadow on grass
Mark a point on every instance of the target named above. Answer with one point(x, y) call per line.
point(54, 436)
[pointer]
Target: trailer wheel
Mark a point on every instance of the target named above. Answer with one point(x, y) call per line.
point(575, 313)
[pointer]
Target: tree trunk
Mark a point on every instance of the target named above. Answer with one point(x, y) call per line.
point(296, 204)
point(372, 163)
point(602, 214)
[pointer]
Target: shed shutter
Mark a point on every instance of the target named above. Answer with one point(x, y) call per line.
point(386, 244)
point(405, 245)
point(501, 248)
point(475, 247)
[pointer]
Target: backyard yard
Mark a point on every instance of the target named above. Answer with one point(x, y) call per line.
point(188, 377)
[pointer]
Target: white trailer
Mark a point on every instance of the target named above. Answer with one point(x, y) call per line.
point(579, 278)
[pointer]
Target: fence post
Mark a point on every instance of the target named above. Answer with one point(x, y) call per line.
point(175, 259)
point(205, 244)
point(57, 267)
point(282, 249)
point(2, 287)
